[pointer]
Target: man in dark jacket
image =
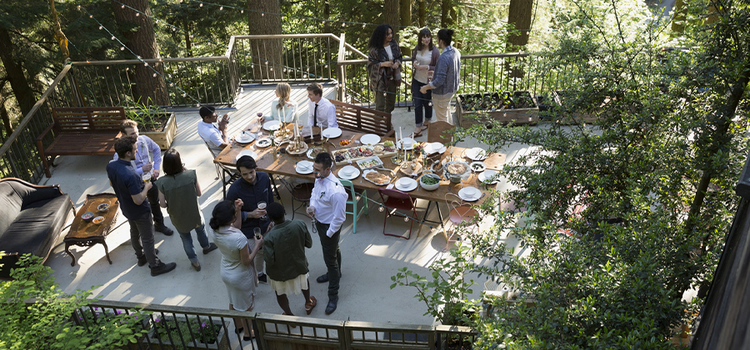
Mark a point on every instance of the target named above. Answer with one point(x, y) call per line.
point(286, 262)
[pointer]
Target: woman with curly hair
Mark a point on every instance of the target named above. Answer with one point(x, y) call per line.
point(384, 67)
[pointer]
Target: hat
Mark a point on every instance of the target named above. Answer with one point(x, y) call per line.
point(206, 111)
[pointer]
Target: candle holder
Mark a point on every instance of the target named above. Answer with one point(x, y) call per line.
point(397, 159)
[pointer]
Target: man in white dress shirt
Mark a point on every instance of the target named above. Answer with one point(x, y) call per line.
point(322, 113)
point(328, 209)
point(215, 136)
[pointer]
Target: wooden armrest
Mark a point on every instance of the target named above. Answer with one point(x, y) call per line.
point(44, 132)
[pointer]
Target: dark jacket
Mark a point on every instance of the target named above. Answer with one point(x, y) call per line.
point(251, 195)
point(375, 73)
point(284, 250)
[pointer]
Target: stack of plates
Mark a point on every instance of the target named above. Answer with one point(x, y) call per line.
point(247, 152)
point(304, 167)
point(331, 133)
point(435, 147)
point(470, 194)
point(406, 184)
point(475, 153)
point(349, 172)
point(245, 137)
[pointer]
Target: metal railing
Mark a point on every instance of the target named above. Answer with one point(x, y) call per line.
point(272, 331)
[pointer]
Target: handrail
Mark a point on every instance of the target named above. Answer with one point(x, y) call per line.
point(150, 60)
point(286, 36)
point(27, 118)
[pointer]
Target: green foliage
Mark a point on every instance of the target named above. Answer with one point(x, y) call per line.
point(49, 322)
point(180, 332)
point(148, 115)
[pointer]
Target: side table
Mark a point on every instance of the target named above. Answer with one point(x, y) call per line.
point(86, 234)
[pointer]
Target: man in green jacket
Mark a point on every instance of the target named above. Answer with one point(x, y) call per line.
point(286, 263)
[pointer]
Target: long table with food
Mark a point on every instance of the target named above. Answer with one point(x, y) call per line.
point(425, 170)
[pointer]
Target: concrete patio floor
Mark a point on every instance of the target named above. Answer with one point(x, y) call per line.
point(369, 257)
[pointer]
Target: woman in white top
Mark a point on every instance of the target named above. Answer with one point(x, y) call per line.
point(283, 106)
point(237, 269)
point(425, 57)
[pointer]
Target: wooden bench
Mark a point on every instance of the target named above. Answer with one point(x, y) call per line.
point(80, 131)
point(362, 119)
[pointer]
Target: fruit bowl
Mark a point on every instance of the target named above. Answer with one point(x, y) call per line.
point(103, 208)
point(98, 220)
point(87, 216)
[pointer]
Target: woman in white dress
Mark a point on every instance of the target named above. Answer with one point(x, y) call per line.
point(237, 269)
point(283, 109)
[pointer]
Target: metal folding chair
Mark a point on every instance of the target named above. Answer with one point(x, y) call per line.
point(395, 200)
point(460, 214)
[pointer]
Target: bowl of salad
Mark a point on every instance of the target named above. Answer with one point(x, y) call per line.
point(429, 181)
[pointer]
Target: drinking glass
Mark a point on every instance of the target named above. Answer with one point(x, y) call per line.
point(256, 232)
point(146, 177)
point(262, 206)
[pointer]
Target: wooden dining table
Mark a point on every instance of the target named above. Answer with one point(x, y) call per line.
point(273, 163)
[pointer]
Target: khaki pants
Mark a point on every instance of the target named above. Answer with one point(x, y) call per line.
point(441, 104)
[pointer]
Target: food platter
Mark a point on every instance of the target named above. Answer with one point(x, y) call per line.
point(410, 168)
point(353, 154)
point(377, 177)
point(294, 148)
point(312, 152)
point(371, 162)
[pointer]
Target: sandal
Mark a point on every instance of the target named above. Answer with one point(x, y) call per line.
point(416, 134)
point(310, 306)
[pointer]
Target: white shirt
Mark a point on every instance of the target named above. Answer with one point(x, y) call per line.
point(326, 114)
point(389, 52)
point(329, 200)
point(210, 133)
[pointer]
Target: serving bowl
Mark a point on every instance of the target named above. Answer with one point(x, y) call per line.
point(429, 187)
point(456, 171)
point(87, 216)
point(98, 220)
point(103, 208)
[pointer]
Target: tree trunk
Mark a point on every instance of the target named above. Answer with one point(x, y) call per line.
point(446, 10)
point(267, 53)
point(422, 13)
point(327, 16)
point(6, 119)
point(14, 71)
point(405, 12)
point(188, 45)
point(143, 43)
point(519, 14)
point(390, 13)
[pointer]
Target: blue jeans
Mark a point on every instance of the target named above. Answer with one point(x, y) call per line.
point(187, 242)
point(422, 102)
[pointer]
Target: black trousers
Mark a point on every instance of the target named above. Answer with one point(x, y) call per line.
point(153, 199)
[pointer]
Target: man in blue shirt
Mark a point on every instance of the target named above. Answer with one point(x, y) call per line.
point(253, 187)
point(147, 160)
point(131, 191)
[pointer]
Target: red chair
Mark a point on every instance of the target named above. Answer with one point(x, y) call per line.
point(461, 214)
point(393, 201)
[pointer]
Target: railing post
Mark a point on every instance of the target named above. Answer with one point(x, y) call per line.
point(340, 70)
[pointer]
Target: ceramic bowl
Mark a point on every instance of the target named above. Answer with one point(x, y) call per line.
point(87, 216)
point(429, 187)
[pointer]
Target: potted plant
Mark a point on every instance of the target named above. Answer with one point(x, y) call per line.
point(153, 121)
point(189, 333)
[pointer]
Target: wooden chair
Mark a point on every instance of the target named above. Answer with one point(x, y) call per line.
point(363, 119)
point(300, 192)
point(354, 198)
point(393, 201)
point(461, 214)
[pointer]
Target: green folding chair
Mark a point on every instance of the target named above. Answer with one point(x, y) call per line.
point(355, 197)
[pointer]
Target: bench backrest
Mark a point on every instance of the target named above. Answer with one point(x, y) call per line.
point(88, 119)
point(353, 117)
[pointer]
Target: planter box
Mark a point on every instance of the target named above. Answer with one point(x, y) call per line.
point(503, 114)
point(165, 137)
point(221, 343)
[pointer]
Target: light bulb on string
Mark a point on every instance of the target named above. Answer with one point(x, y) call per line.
point(113, 37)
point(79, 7)
point(381, 209)
point(122, 48)
point(122, 7)
point(91, 16)
point(184, 95)
point(262, 14)
point(363, 26)
point(359, 197)
point(107, 67)
point(343, 24)
point(145, 64)
point(171, 84)
point(221, 8)
point(197, 104)
point(137, 14)
point(100, 27)
point(87, 61)
point(242, 11)
point(174, 29)
point(154, 75)
point(201, 5)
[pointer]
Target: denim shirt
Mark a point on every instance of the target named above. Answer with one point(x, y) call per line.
point(445, 78)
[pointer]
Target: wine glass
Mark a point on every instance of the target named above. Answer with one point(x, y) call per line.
point(262, 206)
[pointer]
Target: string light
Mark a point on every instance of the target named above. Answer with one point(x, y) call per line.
point(381, 209)
point(201, 5)
point(154, 75)
point(221, 8)
point(137, 14)
point(122, 48)
point(100, 27)
point(406, 219)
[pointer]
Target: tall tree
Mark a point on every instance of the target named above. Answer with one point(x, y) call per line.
point(448, 14)
point(390, 14)
point(264, 18)
point(15, 73)
point(405, 12)
point(142, 41)
point(422, 13)
point(519, 15)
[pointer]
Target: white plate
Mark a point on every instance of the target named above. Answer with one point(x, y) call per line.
point(408, 141)
point(245, 137)
point(411, 184)
point(353, 172)
point(304, 167)
point(262, 143)
point(272, 125)
point(331, 133)
point(487, 175)
point(435, 147)
point(369, 139)
point(479, 165)
point(246, 152)
point(475, 153)
point(470, 194)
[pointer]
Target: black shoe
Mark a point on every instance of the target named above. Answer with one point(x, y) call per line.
point(142, 259)
point(163, 268)
point(331, 305)
point(211, 247)
point(262, 278)
point(322, 278)
point(163, 229)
